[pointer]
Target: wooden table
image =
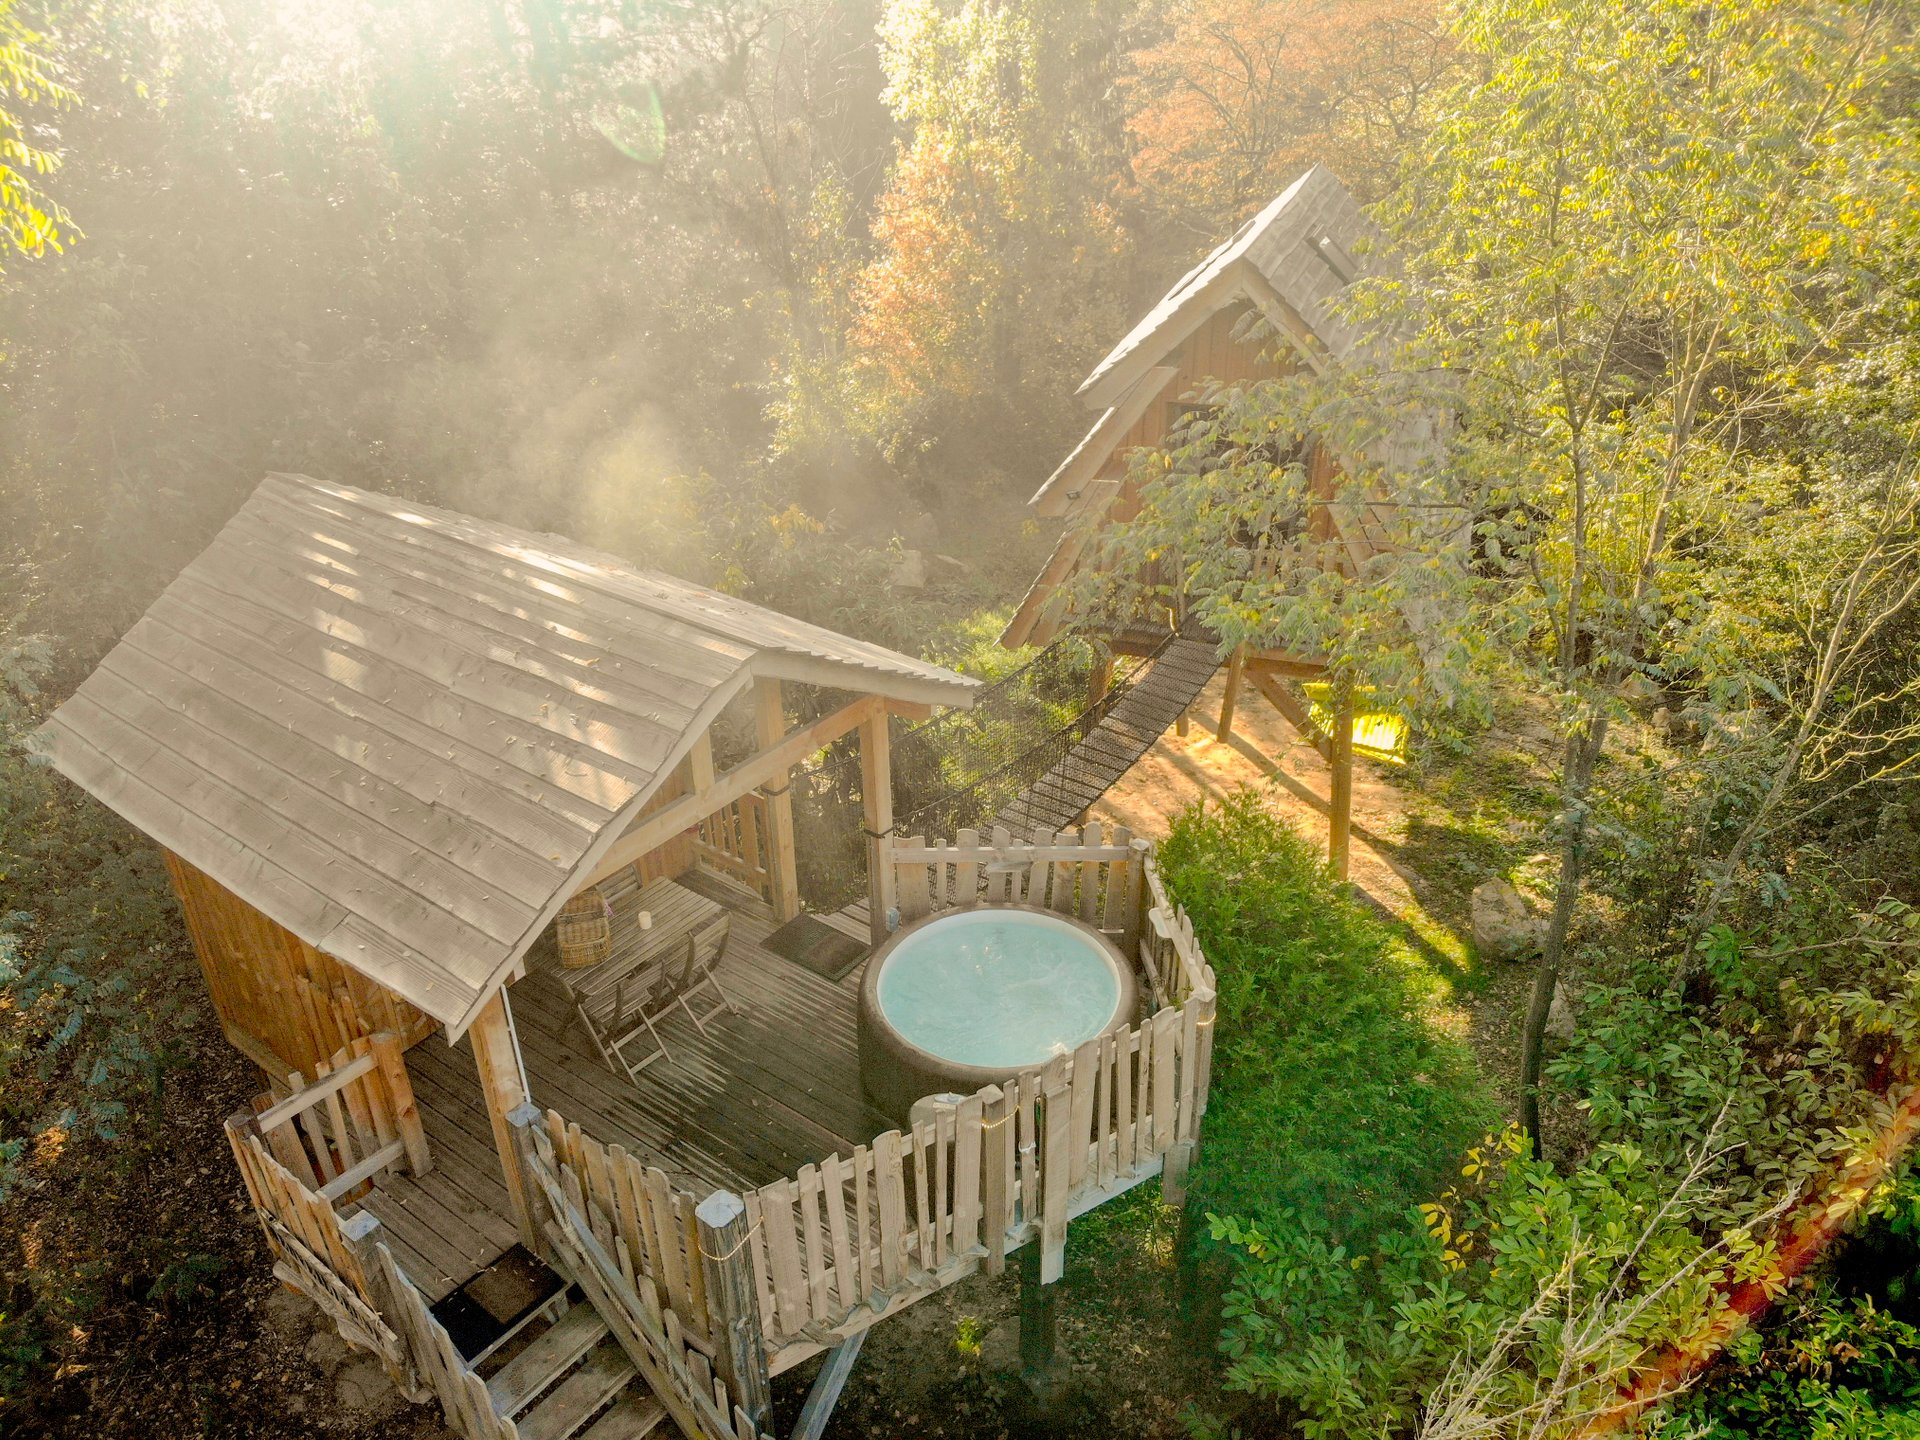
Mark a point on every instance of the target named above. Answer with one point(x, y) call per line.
point(677, 912)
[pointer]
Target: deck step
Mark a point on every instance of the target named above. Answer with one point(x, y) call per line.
point(579, 1397)
point(633, 1415)
point(545, 1360)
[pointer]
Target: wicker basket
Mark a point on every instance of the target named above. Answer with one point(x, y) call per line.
point(584, 930)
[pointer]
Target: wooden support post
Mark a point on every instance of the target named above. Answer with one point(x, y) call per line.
point(389, 1058)
point(1340, 816)
point(1039, 1328)
point(770, 726)
point(503, 1084)
point(1236, 667)
point(1100, 677)
point(524, 1121)
point(827, 1386)
point(876, 795)
point(733, 1306)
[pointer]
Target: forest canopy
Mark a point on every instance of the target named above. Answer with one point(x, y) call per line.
point(770, 295)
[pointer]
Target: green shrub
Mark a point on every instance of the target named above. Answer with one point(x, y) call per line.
point(1834, 1362)
point(1334, 1093)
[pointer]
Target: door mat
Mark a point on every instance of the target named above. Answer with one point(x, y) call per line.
point(496, 1302)
point(809, 941)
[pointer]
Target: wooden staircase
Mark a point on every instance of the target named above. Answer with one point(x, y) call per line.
point(574, 1380)
point(1173, 681)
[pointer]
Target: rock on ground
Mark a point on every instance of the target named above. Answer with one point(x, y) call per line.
point(1504, 925)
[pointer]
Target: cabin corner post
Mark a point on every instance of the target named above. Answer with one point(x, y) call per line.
point(770, 726)
point(876, 799)
point(733, 1304)
point(503, 1085)
point(523, 1128)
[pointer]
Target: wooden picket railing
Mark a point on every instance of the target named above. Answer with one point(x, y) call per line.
point(632, 1245)
point(311, 1250)
point(1093, 875)
point(353, 1120)
point(733, 842)
point(710, 1299)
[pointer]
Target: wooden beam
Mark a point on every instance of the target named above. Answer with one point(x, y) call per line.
point(1295, 714)
point(1287, 665)
point(651, 831)
point(1340, 820)
point(770, 723)
point(503, 1085)
point(827, 1386)
point(1236, 668)
point(876, 800)
point(700, 762)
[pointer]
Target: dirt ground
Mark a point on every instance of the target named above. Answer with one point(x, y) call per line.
point(1395, 820)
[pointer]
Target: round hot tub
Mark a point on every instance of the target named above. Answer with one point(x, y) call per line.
point(974, 997)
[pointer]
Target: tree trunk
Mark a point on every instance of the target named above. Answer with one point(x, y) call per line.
point(1583, 753)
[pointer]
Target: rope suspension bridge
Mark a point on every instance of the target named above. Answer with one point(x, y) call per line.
point(1033, 752)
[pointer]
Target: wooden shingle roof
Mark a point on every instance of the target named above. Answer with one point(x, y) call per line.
point(1291, 260)
point(403, 733)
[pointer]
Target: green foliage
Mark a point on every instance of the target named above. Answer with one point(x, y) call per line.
point(90, 1018)
point(1337, 1101)
point(30, 223)
point(1516, 1300)
point(1804, 1009)
point(1837, 1362)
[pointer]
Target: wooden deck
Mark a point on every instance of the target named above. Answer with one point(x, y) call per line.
point(771, 1087)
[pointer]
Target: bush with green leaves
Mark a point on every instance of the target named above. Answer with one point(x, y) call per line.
point(1334, 1092)
point(1841, 1360)
point(1512, 1304)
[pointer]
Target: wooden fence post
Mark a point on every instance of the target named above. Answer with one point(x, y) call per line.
point(1340, 794)
point(996, 1174)
point(1236, 667)
point(524, 1121)
point(733, 1305)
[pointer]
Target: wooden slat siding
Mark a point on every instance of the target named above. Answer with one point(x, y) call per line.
point(818, 1245)
point(252, 965)
point(921, 1216)
point(1081, 1136)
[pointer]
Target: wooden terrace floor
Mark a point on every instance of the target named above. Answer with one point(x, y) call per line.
point(772, 1086)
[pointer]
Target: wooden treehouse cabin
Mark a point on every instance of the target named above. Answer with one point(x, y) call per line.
point(485, 844)
point(1260, 305)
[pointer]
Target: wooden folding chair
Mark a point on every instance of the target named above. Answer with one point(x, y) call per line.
point(698, 971)
point(617, 1017)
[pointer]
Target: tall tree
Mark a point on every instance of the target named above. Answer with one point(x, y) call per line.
point(1635, 237)
point(31, 222)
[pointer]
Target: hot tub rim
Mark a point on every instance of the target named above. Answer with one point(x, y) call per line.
point(972, 1078)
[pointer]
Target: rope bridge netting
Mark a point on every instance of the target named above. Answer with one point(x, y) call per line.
point(955, 771)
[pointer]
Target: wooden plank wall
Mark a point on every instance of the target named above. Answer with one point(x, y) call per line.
point(281, 1002)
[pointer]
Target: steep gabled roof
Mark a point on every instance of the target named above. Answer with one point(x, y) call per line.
point(406, 735)
point(1290, 260)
